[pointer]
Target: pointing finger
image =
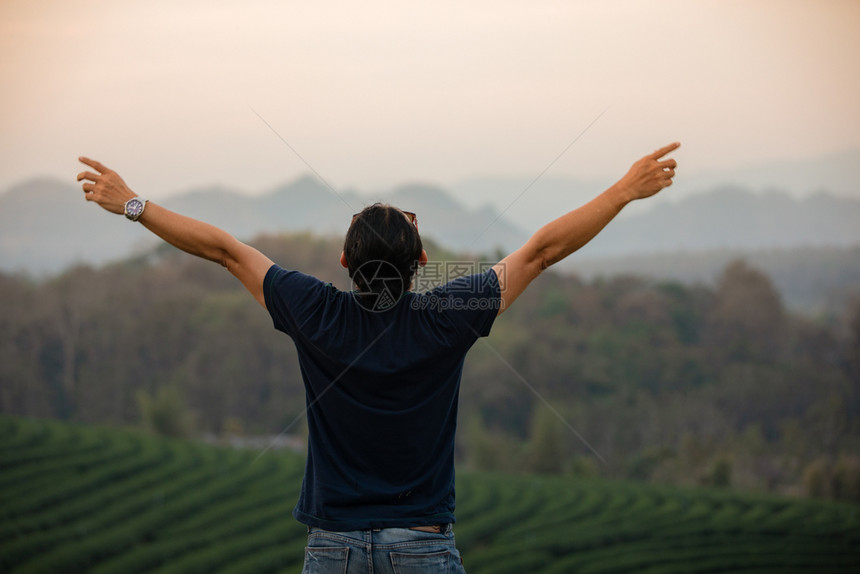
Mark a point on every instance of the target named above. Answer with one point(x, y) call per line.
point(93, 164)
point(664, 150)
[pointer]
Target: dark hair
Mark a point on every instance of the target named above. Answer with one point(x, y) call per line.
point(379, 241)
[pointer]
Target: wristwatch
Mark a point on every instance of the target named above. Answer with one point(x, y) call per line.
point(134, 207)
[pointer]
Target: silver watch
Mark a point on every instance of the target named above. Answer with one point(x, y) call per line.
point(134, 208)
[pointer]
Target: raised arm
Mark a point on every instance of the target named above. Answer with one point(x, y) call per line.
point(107, 189)
point(561, 237)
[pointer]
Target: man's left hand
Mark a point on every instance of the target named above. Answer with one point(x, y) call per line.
point(105, 187)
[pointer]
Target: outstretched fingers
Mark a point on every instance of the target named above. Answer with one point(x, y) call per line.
point(664, 150)
point(90, 178)
point(87, 175)
point(93, 164)
point(667, 166)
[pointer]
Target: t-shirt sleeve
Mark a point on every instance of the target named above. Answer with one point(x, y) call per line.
point(473, 301)
point(291, 298)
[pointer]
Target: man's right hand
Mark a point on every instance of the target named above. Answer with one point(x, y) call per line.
point(564, 235)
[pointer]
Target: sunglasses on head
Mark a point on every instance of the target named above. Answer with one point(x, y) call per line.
point(413, 219)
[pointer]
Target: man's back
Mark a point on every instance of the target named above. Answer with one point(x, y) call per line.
point(382, 391)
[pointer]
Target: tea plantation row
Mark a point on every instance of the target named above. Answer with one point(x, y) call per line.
point(86, 499)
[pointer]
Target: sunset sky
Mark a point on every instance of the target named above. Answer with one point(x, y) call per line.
point(373, 94)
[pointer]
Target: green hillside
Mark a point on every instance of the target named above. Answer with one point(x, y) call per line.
point(90, 499)
point(680, 384)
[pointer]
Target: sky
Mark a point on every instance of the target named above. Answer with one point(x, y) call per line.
point(249, 95)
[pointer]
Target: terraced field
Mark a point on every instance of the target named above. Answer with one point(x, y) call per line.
point(85, 499)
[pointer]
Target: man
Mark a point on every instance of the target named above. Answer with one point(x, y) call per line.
point(382, 365)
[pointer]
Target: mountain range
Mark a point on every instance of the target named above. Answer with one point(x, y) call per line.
point(46, 226)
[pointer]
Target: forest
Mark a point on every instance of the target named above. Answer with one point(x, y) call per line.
point(624, 378)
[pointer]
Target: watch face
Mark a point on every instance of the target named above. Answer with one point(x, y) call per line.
point(134, 208)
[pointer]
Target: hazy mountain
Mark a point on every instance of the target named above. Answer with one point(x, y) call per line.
point(526, 202)
point(46, 225)
point(816, 280)
point(838, 173)
point(736, 219)
point(529, 202)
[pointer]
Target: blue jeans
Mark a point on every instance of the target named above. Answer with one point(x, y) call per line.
point(385, 551)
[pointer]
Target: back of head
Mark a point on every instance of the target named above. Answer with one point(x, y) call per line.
point(382, 250)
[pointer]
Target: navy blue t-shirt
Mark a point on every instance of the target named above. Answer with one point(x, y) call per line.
point(381, 391)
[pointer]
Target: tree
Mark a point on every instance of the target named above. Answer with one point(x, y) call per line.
point(165, 412)
point(548, 453)
point(748, 316)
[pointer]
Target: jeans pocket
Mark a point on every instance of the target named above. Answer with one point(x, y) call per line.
point(324, 560)
point(434, 562)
